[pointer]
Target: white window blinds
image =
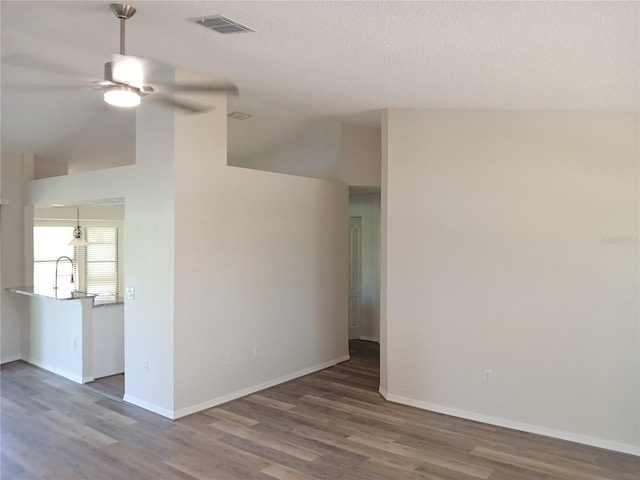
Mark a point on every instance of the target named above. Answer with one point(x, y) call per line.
point(101, 260)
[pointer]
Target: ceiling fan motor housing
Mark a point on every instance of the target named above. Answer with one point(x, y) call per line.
point(123, 12)
point(108, 71)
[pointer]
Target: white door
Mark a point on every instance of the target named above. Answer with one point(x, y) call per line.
point(355, 275)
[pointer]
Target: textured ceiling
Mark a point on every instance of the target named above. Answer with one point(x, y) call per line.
point(336, 60)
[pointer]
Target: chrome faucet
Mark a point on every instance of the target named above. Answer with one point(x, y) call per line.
point(55, 286)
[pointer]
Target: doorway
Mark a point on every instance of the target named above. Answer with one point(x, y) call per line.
point(364, 267)
point(111, 386)
point(355, 275)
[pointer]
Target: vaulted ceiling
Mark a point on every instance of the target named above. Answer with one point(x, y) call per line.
point(316, 60)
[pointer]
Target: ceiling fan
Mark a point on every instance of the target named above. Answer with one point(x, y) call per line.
point(124, 77)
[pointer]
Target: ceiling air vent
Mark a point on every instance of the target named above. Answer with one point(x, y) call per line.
point(222, 24)
point(239, 115)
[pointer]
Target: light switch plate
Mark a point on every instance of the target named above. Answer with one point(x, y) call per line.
point(131, 293)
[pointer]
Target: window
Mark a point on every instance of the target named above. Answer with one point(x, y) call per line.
point(50, 243)
point(95, 266)
point(101, 261)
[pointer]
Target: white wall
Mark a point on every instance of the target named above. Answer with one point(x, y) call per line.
point(367, 206)
point(327, 150)
point(222, 259)
point(58, 336)
point(85, 186)
point(15, 234)
point(44, 169)
point(148, 252)
point(512, 245)
point(87, 162)
point(107, 322)
point(92, 214)
point(360, 155)
point(149, 265)
point(315, 152)
point(260, 261)
point(384, 242)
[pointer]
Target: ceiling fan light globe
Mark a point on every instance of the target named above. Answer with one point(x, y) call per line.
point(122, 97)
point(78, 242)
point(128, 70)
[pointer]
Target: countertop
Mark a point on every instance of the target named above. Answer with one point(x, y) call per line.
point(66, 294)
point(59, 294)
point(107, 300)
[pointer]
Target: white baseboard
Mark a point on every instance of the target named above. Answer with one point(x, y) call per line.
point(524, 427)
point(256, 388)
point(384, 393)
point(148, 406)
point(370, 339)
point(50, 368)
point(10, 358)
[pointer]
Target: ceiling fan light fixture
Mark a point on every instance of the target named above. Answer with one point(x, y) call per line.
point(122, 97)
point(127, 70)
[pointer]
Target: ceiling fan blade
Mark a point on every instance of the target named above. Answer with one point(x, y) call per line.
point(228, 88)
point(24, 60)
point(139, 71)
point(186, 107)
point(37, 88)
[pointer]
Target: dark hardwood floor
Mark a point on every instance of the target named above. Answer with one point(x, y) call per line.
point(329, 425)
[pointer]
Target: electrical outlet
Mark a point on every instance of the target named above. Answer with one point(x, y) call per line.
point(145, 366)
point(256, 351)
point(227, 359)
point(487, 376)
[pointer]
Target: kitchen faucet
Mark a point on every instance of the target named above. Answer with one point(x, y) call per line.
point(55, 286)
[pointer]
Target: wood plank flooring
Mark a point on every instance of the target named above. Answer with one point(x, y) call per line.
point(112, 386)
point(328, 425)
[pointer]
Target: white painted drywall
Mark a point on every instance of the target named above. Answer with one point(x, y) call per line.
point(16, 235)
point(85, 186)
point(147, 188)
point(322, 149)
point(260, 261)
point(268, 127)
point(384, 246)
point(150, 262)
point(360, 159)
point(58, 335)
point(87, 161)
point(46, 169)
point(367, 206)
point(512, 245)
point(108, 340)
point(93, 215)
point(221, 259)
point(314, 152)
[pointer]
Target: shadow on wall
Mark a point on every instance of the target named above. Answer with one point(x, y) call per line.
point(295, 146)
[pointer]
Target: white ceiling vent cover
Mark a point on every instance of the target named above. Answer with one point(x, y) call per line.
point(223, 24)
